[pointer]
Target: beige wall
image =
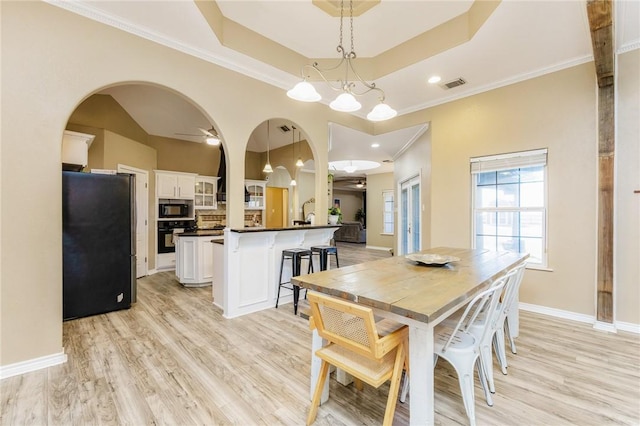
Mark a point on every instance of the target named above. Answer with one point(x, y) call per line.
point(103, 112)
point(253, 164)
point(41, 43)
point(556, 111)
point(44, 47)
point(627, 180)
point(350, 202)
point(375, 185)
point(306, 189)
point(119, 149)
point(416, 162)
point(183, 156)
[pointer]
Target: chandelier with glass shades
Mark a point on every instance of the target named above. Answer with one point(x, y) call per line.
point(346, 101)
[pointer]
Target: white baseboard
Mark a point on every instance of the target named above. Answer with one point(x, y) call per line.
point(627, 326)
point(32, 365)
point(588, 319)
point(605, 326)
point(152, 271)
point(378, 248)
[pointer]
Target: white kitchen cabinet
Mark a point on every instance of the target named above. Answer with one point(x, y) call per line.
point(217, 283)
point(205, 196)
point(175, 185)
point(194, 260)
point(75, 148)
point(165, 261)
point(257, 194)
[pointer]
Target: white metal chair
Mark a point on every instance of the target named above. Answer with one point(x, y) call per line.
point(358, 347)
point(495, 337)
point(495, 323)
point(461, 348)
point(511, 305)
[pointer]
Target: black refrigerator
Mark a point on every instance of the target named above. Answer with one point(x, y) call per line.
point(98, 237)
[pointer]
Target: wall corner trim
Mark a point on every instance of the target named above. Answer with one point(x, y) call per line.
point(32, 365)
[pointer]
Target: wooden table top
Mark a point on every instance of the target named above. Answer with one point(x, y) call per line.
point(412, 290)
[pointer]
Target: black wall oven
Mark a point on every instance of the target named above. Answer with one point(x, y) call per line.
point(166, 231)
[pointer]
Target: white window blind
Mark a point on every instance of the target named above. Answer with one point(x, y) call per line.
point(509, 161)
point(387, 213)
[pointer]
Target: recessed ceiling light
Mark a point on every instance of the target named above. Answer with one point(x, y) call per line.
point(434, 79)
point(375, 145)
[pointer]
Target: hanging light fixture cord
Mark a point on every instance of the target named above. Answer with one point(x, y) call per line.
point(293, 154)
point(267, 167)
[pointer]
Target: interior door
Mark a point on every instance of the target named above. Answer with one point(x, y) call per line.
point(276, 208)
point(410, 218)
point(142, 217)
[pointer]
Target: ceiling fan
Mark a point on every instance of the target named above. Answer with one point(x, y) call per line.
point(355, 182)
point(210, 136)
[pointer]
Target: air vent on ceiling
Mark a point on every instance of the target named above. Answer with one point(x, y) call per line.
point(454, 83)
point(387, 161)
point(284, 128)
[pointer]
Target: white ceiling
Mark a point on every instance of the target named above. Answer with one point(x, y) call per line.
point(520, 40)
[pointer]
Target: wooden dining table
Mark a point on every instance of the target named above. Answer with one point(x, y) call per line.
point(417, 294)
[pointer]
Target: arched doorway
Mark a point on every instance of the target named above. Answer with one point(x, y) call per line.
point(280, 143)
point(143, 129)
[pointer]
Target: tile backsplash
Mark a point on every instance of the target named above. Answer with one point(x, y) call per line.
point(211, 218)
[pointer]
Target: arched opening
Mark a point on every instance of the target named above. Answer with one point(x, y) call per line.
point(280, 143)
point(160, 136)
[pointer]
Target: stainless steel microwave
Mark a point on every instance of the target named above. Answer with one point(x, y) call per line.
point(173, 210)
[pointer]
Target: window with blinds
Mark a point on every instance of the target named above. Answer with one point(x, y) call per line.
point(387, 213)
point(509, 203)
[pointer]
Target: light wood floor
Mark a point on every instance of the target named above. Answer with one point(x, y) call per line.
point(172, 359)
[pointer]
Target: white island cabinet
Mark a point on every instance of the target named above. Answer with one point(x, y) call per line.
point(249, 282)
point(194, 258)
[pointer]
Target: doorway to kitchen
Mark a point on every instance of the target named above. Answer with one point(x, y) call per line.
point(142, 217)
point(277, 207)
point(409, 216)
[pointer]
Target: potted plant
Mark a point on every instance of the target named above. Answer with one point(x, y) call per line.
point(360, 216)
point(335, 215)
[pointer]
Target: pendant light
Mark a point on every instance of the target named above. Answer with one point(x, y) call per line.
point(350, 87)
point(293, 152)
point(350, 168)
point(299, 163)
point(267, 167)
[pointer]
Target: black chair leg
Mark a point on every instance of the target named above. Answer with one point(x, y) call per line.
point(296, 296)
point(279, 281)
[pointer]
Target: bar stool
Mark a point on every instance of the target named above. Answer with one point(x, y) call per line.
point(296, 255)
point(324, 252)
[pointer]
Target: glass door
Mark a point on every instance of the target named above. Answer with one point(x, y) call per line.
point(205, 197)
point(410, 216)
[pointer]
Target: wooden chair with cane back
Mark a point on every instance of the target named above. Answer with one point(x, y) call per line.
point(356, 346)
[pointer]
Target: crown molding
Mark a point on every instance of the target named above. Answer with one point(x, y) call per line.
point(628, 47)
point(410, 142)
point(86, 10)
point(498, 84)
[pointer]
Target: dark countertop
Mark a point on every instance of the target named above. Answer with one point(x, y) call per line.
point(203, 233)
point(292, 228)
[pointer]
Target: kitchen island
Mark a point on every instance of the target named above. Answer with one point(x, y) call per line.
point(194, 256)
point(251, 266)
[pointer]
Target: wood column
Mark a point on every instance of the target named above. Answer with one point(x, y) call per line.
point(601, 25)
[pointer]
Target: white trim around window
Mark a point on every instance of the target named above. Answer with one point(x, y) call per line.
point(509, 203)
